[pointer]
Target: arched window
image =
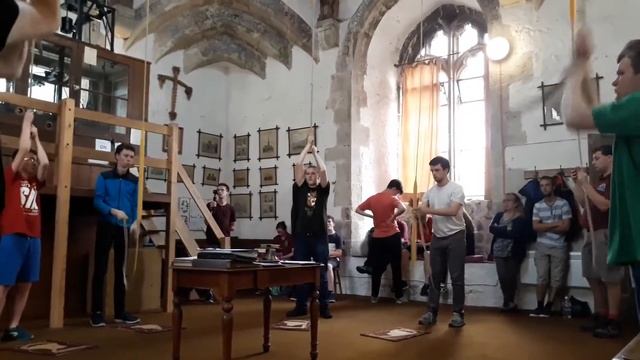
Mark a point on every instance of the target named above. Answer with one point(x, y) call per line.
point(454, 35)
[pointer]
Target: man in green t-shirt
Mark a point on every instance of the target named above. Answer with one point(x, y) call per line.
point(621, 118)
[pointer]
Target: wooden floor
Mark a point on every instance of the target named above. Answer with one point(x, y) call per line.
point(488, 335)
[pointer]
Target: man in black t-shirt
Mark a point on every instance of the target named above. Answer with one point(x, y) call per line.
point(309, 225)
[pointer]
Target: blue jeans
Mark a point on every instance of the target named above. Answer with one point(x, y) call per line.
point(316, 247)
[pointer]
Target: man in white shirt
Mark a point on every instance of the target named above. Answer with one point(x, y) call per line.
point(444, 202)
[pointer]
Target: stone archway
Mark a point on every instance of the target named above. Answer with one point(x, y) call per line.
point(348, 97)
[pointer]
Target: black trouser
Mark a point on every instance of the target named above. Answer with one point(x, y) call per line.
point(448, 253)
point(382, 252)
point(108, 235)
point(508, 272)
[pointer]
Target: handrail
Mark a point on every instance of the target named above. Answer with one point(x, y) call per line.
point(83, 153)
point(31, 103)
point(82, 114)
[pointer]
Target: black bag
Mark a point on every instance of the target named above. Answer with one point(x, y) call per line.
point(579, 308)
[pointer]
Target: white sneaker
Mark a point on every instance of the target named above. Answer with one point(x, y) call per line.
point(374, 300)
point(402, 300)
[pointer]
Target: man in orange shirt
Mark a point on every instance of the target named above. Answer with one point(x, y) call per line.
point(386, 244)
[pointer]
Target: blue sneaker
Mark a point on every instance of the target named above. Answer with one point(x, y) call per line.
point(16, 334)
point(97, 320)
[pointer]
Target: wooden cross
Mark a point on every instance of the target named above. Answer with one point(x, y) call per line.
point(188, 90)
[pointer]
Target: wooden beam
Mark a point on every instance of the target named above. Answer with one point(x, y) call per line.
point(195, 195)
point(172, 216)
point(29, 103)
point(84, 114)
point(63, 190)
point(187, 239)
point(82, 153)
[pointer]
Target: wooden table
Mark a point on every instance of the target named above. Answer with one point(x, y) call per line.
point(226, 282)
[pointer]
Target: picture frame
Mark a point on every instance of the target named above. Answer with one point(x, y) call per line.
point(209, 145)
point(293, 168)
point(268, 176)
point(552, 97)
point(268, 204)
point(165, 141)
point(241, 147)
point(241, 178)
point(241, 205)
point(298, 138)
point(210, 176)
point(153, 173)
point(191, 171)
point(268, 144)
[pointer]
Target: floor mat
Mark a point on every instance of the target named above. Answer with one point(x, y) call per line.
point(299, 325)
point(395, 334)
point(51, 348)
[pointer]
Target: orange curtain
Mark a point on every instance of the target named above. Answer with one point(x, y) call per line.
point(420, 105)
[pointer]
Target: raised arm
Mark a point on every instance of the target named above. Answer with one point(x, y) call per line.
point(322, 167)
point(577, 90)
point(43, 160)
point(299, 169)
point(24, 144)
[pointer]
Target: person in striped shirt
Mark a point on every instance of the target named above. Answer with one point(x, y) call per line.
point(551, 220)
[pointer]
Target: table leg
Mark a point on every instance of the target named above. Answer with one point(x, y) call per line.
point(176, 326)
point(266, 314)
point(227, 327)
point(313, 307)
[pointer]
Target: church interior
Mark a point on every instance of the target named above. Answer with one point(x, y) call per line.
point(212, 92)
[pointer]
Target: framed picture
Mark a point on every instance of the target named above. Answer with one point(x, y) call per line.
point(191, 171)
point(241, 147)
point(165, 141)
point(184, 204)
point(551, 98)
point(209, 145)
point(298, 139)
point(293, 167)
point(268, 208)
point(156, 173)
point(210, 176)
point(269, 176)
point(268, 143)
point(241, 178)
point(241, 204)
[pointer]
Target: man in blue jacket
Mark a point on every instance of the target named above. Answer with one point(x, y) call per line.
point(116, 200)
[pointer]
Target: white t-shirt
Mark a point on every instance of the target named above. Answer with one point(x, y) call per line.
point(441, 197)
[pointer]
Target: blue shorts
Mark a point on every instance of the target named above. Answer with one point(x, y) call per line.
point(19, 259)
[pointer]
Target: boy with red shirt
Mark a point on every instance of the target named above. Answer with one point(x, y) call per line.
point(385, 246)
point(20, 241)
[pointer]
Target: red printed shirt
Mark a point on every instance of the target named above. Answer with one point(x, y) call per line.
point(21, 214)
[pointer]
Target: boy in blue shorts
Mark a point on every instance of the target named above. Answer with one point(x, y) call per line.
point(20, 240)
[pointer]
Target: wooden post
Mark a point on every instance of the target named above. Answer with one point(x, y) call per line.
point(172, 216)
point(63, 195)
point(141, 183)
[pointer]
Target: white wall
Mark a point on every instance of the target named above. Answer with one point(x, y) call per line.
point(546, 35)
point(230, 101)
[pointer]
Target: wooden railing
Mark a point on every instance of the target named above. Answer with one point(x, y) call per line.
point(64, 153)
